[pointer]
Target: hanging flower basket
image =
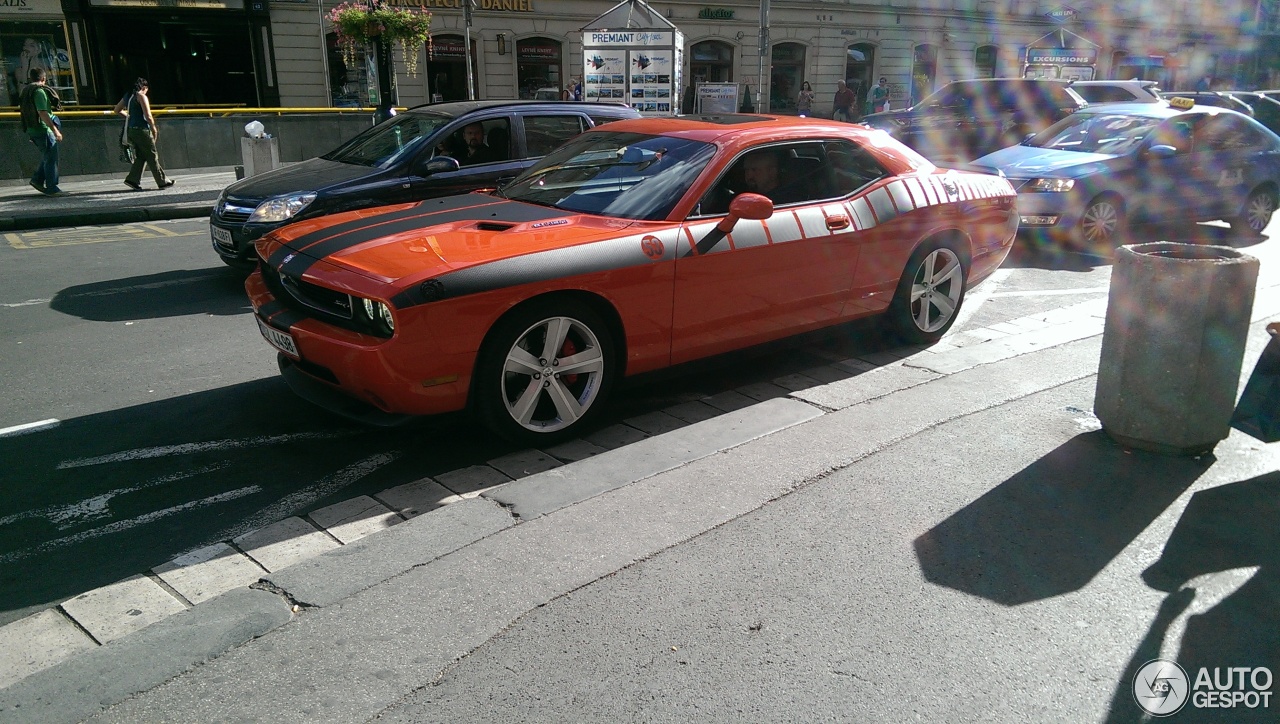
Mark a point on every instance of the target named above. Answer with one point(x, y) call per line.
point(357, 24)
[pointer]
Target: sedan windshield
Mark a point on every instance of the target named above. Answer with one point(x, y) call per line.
point(629, 175)
point(1111, 133)
point(388, 142)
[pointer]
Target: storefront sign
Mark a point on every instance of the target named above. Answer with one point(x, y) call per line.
point(1061, 15)
point(626, 37)
point(519, 6)
point(1062, 56)
point(715, 14)
point(538, 53)
point(23, 8)
point(173, 4)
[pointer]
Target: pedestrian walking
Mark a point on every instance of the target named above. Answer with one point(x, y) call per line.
point(142, 134)
point(880, 96)
point(804, 101)
point(843, 103)
point(39, 104)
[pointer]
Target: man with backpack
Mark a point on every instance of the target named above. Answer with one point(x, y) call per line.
point(39, 104)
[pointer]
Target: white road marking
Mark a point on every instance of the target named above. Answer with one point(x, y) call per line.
point(974, 302)
point(28, 303)
point(67, 516)
point(30, 427)
point(1051, 292)
point(194, 447)
point(127, 524)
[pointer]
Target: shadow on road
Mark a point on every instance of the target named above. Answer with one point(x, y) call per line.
point(1224, 528)
point(1052, 527)
point(168, 294)
point(1035, 253)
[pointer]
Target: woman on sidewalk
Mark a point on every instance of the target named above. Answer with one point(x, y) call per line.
point(142, 136)
point(804, 101)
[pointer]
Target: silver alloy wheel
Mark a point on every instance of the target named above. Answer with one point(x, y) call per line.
point(936, 290)
point(552, 374)
point(1258, 211)
point(1101, 221)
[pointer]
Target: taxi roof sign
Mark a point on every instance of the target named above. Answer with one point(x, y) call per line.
point(1181, 102)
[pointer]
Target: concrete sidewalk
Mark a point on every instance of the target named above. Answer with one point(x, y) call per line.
point(947, 537)
point(92, 200)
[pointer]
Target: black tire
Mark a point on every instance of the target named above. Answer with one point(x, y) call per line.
point(1103, 223)
point(1258, 209)
point(535, 406)
point(929, 296)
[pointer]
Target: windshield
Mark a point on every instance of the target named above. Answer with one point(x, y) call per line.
point(1109, 133)
point(388, 142)
point(630, 175)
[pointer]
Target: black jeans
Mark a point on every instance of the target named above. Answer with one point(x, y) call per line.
point(145, 152)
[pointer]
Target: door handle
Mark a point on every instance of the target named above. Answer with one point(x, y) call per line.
point(837, 222)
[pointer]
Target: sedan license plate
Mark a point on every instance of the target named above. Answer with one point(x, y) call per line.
point(282, 341)
point(222, 237)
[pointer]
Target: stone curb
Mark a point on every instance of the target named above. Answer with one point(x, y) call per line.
point(92, 217)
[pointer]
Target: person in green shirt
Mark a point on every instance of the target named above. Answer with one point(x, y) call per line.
point(38, 104)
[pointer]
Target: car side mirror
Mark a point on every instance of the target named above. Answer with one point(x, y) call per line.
point(1161, 150)
point(1028, 137)
point(439, 164)
point(746, 206)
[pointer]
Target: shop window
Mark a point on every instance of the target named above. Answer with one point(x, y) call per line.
point(538, 63)
point(860, 60)
point(787, 75)
point(711, 61)
point(447, 69)
point(924, 71)
point(28, 45)
point(350, 84)
point(984, 61)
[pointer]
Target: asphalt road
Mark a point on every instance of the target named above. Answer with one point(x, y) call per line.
point(168, 427)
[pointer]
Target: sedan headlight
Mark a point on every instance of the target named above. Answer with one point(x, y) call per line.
point(379, 316)
point(280, 208)
point(1051, 185)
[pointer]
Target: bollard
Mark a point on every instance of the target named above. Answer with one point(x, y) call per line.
point(1173, 345)
point(259, 155)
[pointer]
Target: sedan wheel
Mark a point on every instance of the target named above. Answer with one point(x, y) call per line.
point(544, 372)
point(1102, 222)
point(929, 294)
point(1257, 212)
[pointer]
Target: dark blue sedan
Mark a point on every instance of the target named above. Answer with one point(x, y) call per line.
point(1085, 177)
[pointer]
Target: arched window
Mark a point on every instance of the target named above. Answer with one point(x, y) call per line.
point(538, 68)
point(711, 61)
point(860, 62)
point(984, 61)
point(924, 71)
point(447, 69)
point(787, 75)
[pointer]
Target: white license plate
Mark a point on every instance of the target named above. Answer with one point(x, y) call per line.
point(222, 237)
point(282, 341)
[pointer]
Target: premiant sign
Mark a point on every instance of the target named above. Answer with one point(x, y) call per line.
point(627, 37)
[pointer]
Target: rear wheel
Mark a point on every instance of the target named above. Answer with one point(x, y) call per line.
point(544, 372)
point(929, 294)
point(1258, 209)
point(1102, 223)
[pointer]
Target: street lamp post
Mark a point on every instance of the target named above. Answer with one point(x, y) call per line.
point(386, 75)
point(467, 7)
point(764, 49)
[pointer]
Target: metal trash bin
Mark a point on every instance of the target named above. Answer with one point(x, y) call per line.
point(259, 154)
point(1173, 345)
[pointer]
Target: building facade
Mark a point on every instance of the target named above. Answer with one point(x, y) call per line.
point(282, 53)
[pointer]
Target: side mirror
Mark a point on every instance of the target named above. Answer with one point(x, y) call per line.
point(439, 164)
point(1161, 150)
point(746, 206)
point(1028, 137)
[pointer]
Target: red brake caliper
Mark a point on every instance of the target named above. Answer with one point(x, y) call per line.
point(568, 349)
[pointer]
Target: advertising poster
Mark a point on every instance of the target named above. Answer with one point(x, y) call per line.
point(27, 45)
point(717, 97)
point(605, 75)
point(652, 81)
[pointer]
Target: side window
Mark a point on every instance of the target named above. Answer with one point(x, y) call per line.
point(791, 174)
point(852, 167)
point(487, 141)
point(600, 120)
point(1224, 133)
point(1173, 133)
point(544, 134)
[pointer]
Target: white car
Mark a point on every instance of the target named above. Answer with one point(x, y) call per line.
point(1118, 91)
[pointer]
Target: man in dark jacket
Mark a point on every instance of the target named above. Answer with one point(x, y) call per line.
point(38, 104)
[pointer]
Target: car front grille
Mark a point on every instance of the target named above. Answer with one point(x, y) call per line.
point(235, 212)
point(309, 299)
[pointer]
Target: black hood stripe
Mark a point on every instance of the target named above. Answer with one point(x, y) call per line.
point(418, 212)
point(599, 256)
point(508, 212)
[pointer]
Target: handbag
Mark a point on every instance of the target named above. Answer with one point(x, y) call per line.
point(126, 151)
point(1258, 412)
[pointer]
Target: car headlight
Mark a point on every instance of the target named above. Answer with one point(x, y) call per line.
point(1051, 185)
point(280, 208)
point(379, 315)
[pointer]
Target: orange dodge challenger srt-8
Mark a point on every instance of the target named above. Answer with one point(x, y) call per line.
point(640, 245)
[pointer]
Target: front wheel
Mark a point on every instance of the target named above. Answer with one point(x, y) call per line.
point(544, 372)
point(929, 294)
point(1102, 223)
point(1258, 209)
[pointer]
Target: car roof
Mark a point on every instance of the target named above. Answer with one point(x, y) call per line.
point(1160, 110)
point(455, 109)
point(1132, 81)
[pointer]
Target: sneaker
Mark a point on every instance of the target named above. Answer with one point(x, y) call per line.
point(167, 184)
point(134, 186)
point(53, 192)
point(36, 186)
